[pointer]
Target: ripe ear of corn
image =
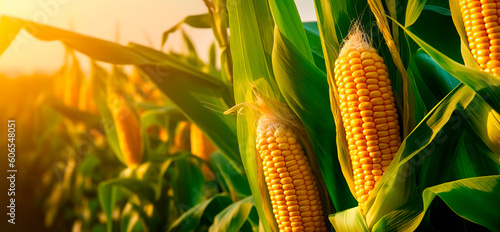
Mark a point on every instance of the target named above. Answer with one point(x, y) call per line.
point(203, 148)
point(128, 130)
point(481, 21)
point(292, 187)
point(163, 134)
point(86, 101)
point(368, 111)
point(59, 82)
point(84, 98)
point(200, 144)
point(181, 138)
point(61, 79)
point(73, 81)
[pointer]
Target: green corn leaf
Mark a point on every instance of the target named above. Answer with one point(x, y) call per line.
point(159, 58)
point(251, 46)
point(207, 209)
point(314, 39)
point(167, 118)
point(438, 9)
point(88, 164)
point(188, 189)
point(110, 192)
point(235, 216)
point(413, 11)
point(196, 21)
point(485, 84)
point(442, 35)
point(153, 172)
point(438, 80)
point(129, 220)
point(287, 19)
point(236, 183)
point(472, 198)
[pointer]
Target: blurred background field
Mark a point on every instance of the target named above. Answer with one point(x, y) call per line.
point(63, 154)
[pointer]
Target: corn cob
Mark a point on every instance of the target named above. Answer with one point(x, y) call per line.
point(182, 136)
point(292, 188)
point(368, 111)
point(86, 101)
point(203, 148)
point(481, 21)
point(98, 137)
point(128, 131)
point(163, 134)
point(71, 92)
point(200, 144)
point(73, 81)
point(59, 82)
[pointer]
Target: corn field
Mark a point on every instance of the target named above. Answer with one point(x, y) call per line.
point(381, 115)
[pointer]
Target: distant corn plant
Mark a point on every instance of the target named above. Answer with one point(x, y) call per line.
point(128, 130)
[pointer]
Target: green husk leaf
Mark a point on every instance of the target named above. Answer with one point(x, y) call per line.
point(349, 220)
point(235, 216)
point(286, 17)
point(413, 10)
point(251, 45)
point(485, 122)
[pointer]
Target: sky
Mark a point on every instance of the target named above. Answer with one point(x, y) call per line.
point(120, 21)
